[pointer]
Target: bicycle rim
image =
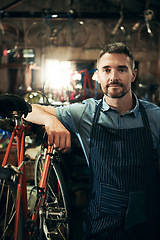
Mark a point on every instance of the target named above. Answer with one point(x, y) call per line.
point(7, 207)
point(76, 33)
point(38, 34)
point(56, 222)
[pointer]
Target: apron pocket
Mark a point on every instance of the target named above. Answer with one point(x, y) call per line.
point(136, 209)
point(113, 202)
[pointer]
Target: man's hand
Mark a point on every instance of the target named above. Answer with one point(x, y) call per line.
point(58, 135)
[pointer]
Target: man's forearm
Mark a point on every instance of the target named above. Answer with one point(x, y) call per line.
point(40, 114)
point(58, 135)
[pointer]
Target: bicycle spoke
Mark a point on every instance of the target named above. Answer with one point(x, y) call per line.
point(5, 220)
point(56, 219)
point(8, 212)
point(61, 233)
point(8, 208)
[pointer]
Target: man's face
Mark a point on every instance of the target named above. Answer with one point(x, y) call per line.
point(115, 74)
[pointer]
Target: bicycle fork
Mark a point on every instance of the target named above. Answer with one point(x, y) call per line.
point(42, 190)
point(19, 132)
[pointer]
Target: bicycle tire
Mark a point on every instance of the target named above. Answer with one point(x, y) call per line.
point(8, 191)
point(42, 34)
point(76, 33)
point(35, 97)
point(38, 34)
point(56, 202)
point(9, 35)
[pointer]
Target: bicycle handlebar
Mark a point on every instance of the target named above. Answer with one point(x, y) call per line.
point(13, 107)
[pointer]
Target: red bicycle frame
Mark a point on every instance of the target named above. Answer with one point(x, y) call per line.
point(19, 133)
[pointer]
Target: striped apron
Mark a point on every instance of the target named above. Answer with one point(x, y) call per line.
point(124, 202)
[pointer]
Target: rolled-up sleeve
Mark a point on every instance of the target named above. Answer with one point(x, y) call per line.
point(70, 115)
point(78, 118)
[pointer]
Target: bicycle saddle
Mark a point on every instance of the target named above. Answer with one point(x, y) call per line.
point(11, 104)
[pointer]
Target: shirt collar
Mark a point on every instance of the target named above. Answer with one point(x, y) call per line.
point(135, 110)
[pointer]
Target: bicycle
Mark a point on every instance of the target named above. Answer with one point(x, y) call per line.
point(45, 214)
point(9, 36)
point(51, 31)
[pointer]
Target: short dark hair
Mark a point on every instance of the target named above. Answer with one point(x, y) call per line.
point(117, 47)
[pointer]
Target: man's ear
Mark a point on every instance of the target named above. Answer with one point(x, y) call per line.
point(134, 75)
point(97, 76)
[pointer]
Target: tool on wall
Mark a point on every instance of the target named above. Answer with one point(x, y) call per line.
point(148, 33)
point(115, 35)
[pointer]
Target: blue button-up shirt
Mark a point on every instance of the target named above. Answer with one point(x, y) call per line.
point(78, 118)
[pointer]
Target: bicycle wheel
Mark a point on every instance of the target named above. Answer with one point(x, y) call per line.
point(56, 223)
point(76, 33)
point(38, 34)
point(8, 207)
point(9, 35)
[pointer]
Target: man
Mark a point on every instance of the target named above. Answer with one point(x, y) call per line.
point(120, 137)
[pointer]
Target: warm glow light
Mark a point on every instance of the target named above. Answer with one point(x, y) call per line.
point(94, 77)
point(76, 76)
point(81, 22)
point(5, 52)
point(28, 55)
point(54, 16)
point(29, 88)
point(58, 74)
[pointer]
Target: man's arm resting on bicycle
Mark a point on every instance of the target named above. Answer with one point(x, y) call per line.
point(57, 133)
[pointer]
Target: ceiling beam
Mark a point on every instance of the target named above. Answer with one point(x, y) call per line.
point(128, 15)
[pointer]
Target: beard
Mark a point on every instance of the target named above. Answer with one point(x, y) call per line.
point(118, 90)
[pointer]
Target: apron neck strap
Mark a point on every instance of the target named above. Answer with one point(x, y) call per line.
point(142, 109)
